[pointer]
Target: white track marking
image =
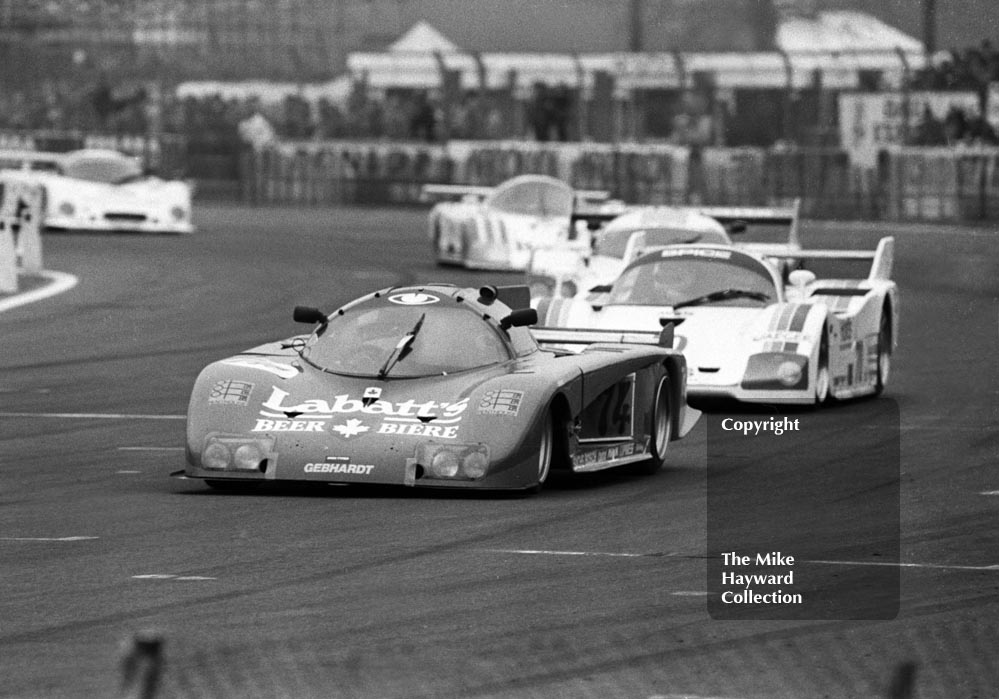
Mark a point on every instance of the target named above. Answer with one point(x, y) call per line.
point(48, 538)
point(170, 576)
point(128, 471)
point(150, 448)
point(60, 282)
point(891, 564)
point(989, 492)
point(543, 552)
point(671, 554)
point(97, 416)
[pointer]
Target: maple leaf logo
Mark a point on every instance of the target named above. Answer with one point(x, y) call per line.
point(351, 428)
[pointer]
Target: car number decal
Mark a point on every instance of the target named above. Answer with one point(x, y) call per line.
point(611, 415)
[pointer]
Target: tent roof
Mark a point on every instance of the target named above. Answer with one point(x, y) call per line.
point(423, 38)
point(842, 31)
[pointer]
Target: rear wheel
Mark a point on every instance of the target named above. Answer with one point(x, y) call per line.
point(662, 429)
point(822, 372)
point(884, 353)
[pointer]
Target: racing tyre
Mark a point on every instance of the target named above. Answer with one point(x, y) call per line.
point(545, 451)
point(822, 379)
point(884, 353)
point(662, 429)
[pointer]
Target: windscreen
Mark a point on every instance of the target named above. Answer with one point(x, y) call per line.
point(105, 168)
point(540, 197)
point(379, 337)
point(669, 278)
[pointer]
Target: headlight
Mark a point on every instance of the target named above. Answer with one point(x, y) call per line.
point(67, 209)
point(444, 464)
point(215, 456)
point(178, 213)
point(237, 453)
point(474, 464)
point(776, 371)
point(453, 461)
point(789, 373)
point(248, 457)
point(568, 289)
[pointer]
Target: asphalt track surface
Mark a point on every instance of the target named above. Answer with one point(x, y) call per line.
point(594, 588)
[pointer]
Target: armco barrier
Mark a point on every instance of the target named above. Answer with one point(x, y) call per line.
point(20, 230)
point(909, 184)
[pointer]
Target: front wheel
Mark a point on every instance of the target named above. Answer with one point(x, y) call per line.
point(545, 449)
point(884, 354)
point(662, 429)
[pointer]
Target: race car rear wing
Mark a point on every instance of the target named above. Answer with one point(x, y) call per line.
point(732, 216)
point(443, 192)
point(882, 258)
point(30, 160)
point(729, 216)
point(577, 336)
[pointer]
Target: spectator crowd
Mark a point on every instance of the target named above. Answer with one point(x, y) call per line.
point(550, 113)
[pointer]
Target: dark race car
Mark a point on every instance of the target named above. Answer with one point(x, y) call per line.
point(433, 386)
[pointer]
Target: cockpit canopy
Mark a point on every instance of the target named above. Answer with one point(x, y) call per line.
point(533, 195)
point(104, 166)
point(680, 274)
point(409, 333)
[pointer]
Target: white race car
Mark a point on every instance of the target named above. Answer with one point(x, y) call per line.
point(745, 334)
point(497, 228)
point(610, 241)
point(102, 190)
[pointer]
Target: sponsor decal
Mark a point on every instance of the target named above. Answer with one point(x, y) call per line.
point(230, 392)
point(781, 336)
point(413, 298)
point(351, 428)
point(373, 392)
point(598, 456)
point(718, 254)
point(419, 430)
point(501, 402)
point(440, 412)
point(288, 426)
point(339, 464)
point(283, 370)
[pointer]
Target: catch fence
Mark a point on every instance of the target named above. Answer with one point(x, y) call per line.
point(906, 184)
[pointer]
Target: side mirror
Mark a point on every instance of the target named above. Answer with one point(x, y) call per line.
point(800, 278)
point(308, 314)
point(520, 318)
point(736, 227)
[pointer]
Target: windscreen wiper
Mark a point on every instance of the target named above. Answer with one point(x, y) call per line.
point(402, 349)
point(723, 295)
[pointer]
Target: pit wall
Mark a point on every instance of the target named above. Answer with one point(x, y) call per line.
point(906, 184)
